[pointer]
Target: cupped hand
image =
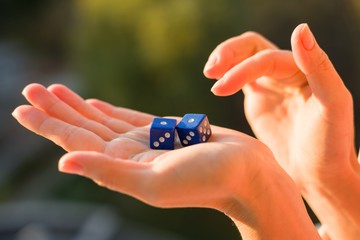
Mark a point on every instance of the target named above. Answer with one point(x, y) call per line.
point(110, 145)
point(295, 102)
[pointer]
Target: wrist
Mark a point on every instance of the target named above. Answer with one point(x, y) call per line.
point(334, 199)
point(270, 207)
point(337, 182)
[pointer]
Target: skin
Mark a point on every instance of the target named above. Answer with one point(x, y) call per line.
point(232, 172)
point(297, 104)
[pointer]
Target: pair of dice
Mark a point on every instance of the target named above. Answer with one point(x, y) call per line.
point(193, 128)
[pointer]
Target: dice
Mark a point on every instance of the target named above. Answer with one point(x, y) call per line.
point(162, 133)
point(193, 129)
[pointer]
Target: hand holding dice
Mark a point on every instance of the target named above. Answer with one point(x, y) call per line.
point(192, 129)
point(111, 146)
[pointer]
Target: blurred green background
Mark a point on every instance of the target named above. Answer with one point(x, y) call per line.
point(142, 54)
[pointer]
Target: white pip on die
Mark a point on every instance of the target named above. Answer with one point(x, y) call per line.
point(193, 128)
point(162, 133)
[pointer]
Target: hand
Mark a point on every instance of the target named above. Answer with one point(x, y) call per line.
point(297, 104)
point(111, 146)
point(232, 172)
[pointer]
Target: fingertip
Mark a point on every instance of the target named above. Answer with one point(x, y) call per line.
point(308, 55)
point(304, 47)
point(221, 88)
point(34, 93)
point(31, 87)
point(303, 37)
point(210, 65)
point(307, 37)
point(69, 164)
point(20, 111)
point(56, 87)
point(215, 67)
point(29, 117)
point(15, 112)
point(216, 89)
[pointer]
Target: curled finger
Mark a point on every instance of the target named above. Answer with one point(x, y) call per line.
point(278, 65)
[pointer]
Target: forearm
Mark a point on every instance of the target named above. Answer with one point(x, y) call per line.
point(336, 204)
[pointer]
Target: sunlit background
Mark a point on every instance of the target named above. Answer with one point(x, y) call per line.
point(142, 54)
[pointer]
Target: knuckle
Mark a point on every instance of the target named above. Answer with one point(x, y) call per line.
point(248, 37)
point(252, 35)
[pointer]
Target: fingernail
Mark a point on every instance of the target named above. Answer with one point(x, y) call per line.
point(216, 86)
point(71, 167)
point(14, 113)
point(307, 38)
point(210, 63)
point(213, 89)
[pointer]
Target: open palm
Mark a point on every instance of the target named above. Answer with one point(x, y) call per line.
point(111, 146)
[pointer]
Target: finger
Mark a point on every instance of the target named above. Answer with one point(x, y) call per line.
point(275, 64)
point(233, 51)
point(87, 110)
point(323, 79)
point(42, 99)
point(130, 116)
point(63, 134)
point(155, 184)
point(119, 175)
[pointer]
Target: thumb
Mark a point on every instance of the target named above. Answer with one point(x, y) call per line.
point(322, 77)
point(118, 175)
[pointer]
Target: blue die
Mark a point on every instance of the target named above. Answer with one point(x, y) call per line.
point(193, 128)
point(162, 133)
